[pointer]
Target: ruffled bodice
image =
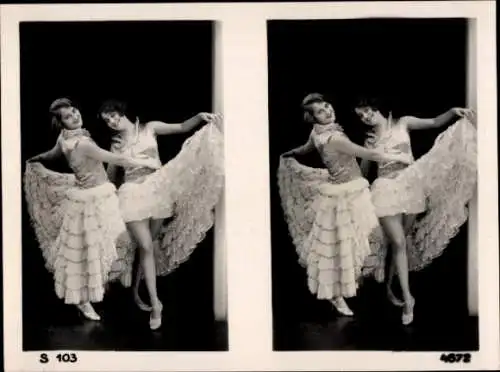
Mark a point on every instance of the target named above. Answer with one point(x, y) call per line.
point(341, 167)
point(88, 172)
point(394, 140)
point(143, 145)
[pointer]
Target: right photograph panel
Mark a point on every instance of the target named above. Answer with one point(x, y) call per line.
point(373, 169)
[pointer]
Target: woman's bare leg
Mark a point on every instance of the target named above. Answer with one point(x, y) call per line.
point(393, 227)
point(155, 227)
point(142, 234)
point(390, 294)
point(408, 221)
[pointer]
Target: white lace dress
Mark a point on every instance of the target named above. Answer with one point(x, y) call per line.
point(187, 188)
point(77, 221)
point(392, 197)
point(330, 217)
point(437, 187)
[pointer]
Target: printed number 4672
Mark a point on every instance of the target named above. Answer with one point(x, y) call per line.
point(456, 358)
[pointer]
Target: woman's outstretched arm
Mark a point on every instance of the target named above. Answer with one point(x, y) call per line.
point(93, 151)
point(301, 150)
point(414, 123)
point(160, 128)
point(53, 153)
point(343, 144)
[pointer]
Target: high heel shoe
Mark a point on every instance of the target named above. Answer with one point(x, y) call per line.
point(407, 318)
point(88, 311)
point(141, 304)
point(341, 306)
point(393, 299)
point(155, 322)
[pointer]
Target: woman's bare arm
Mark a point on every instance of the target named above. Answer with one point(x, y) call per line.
point(301, 150)
point(95, 152)
point(160, 128)
point(414, 123)
point(343, 144)
point(52, 154)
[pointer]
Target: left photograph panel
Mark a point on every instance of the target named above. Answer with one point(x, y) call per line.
point(122, 173)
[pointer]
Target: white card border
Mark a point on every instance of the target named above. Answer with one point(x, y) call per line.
point(247, 203)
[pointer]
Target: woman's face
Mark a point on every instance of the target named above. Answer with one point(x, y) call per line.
point(113, 120)
point(369, 116)
point(323, 112)
point(71, 117)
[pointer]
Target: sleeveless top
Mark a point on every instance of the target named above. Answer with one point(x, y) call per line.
point(142, 145)
point(88, 172)
point(394, 140)
point(342, 167)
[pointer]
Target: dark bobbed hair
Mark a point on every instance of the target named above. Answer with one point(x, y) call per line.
point(55, 111)
point(376, 104)
point(307, 103)
point(118, 106)
point(121, 108)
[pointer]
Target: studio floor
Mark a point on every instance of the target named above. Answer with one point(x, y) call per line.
point(124, 327)
point(377, 326)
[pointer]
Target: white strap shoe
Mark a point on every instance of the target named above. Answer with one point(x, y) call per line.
point(341, 306)
point(88, 311)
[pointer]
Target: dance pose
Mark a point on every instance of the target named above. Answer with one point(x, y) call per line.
point(329, 212)
point(76, 217)
point(187, 188)
point(440, 183)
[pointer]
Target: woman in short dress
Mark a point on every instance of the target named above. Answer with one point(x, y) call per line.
point(76, 217)
point(329, 212)
point(186, 188)
point(440, 183)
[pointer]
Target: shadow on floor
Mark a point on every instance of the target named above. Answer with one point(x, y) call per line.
point(124, 327)
point(377, 326)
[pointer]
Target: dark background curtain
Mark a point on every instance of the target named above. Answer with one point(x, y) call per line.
point(164, 71)
point(418, 66)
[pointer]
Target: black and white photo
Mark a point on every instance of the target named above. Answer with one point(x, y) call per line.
point(371, 254)
point(249, 186)
point(119, 257)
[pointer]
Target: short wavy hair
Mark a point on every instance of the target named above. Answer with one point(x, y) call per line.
point(55, 111)
point(307, 103)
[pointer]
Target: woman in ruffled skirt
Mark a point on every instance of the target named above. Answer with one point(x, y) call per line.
point(76, 217)
point(440, 183)
point(329, 211)
point(186, 190)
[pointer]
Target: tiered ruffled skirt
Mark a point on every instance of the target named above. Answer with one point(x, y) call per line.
point(330, 225)
point(82, 233)
point(437, 188)
point(77, 230)
point(187, 188)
